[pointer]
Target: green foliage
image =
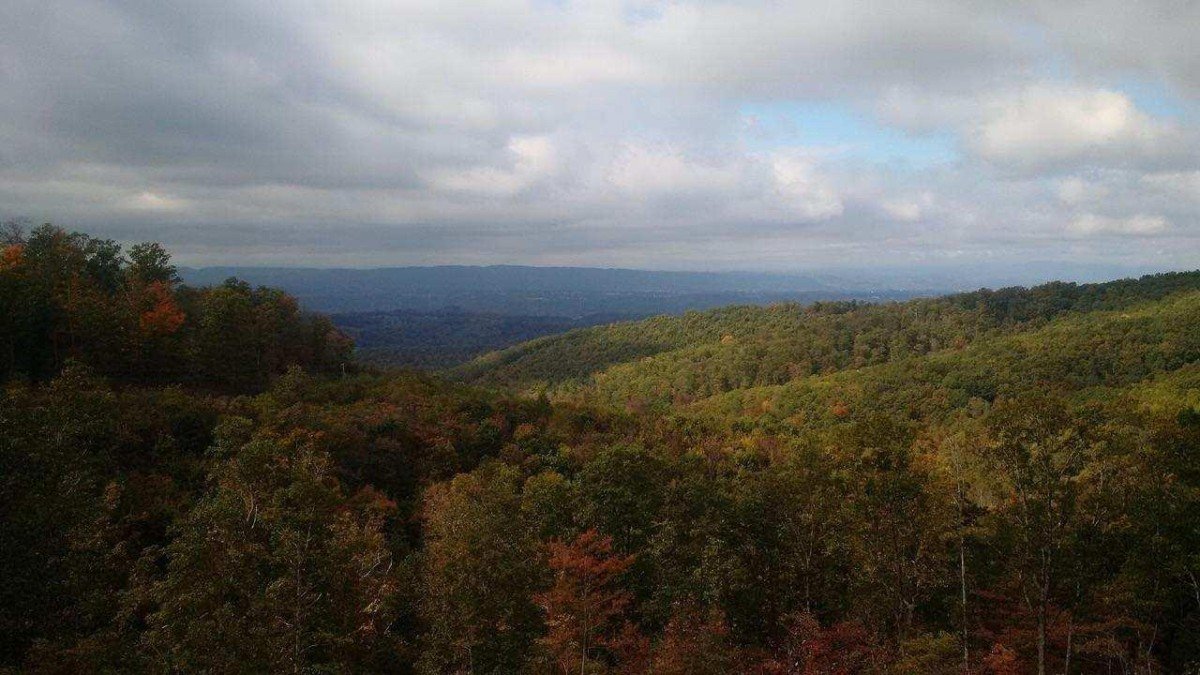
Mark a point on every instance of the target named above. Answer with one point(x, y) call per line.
point(57, 450)
point(667, 361)
point(480, 571)
point(1110, 350)
point(276, 568)
point(150, 263)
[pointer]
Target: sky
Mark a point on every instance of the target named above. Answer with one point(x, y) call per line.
point(737, 135)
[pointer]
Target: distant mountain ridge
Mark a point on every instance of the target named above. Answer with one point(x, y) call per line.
point(526, 278)
point(579, 291)
point(535, 291)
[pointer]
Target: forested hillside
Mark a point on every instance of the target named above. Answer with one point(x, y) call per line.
point(200, 480)
point(674, 359)
point(1079, 355)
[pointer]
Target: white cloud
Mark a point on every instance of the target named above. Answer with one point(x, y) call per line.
point(1152, 37)
point(599, 65)
point(1051, 126)
point(649, 171)
point(1183, 186)
point(152, 201)
point(555, 131)
point(803, 190)
point(532, 159)
point(1091, 224)
point(779, 50)
point(908, 209)
point(1075, 190)
point(920, 110)
point(784, 187)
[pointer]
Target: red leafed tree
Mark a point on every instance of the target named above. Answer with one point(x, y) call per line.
point(585, 606)
point(160, 315)
point(846, 648)
point(11, 257)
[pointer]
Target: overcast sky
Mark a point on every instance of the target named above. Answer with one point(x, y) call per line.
point(666, 135)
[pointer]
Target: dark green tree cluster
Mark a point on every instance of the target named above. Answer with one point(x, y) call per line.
point(69, 296)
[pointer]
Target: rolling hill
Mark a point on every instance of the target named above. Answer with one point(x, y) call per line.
point(663, 361)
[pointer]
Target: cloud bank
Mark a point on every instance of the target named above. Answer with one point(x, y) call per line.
point(673, 135)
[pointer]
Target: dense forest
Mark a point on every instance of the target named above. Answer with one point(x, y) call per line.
point(205, 480)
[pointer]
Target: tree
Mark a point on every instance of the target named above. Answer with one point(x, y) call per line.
point(57, 447)
point(846, 648)
point(585, 607)
point(901, 525)
point(149, 263)
point(479, 573)
point(12, 231)
point(622, 490)
point(275, 568)
point(1036, 453)
point(695, 642)
point(104, 263)
point(957, 459)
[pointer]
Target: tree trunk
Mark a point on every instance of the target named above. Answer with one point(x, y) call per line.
point(1041, 644)
point(1070, 639)
point(1041, 632)
point(962, 579)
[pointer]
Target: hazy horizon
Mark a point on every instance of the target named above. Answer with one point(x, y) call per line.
point(941, 278)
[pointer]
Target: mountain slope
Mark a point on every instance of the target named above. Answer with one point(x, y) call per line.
point(1155, 346)
point(667, 360)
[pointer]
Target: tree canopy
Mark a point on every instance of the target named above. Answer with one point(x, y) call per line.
point(993, 482)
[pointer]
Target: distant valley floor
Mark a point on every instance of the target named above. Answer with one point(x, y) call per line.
point(443, 338)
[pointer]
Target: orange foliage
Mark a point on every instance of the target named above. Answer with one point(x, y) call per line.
point(585, 605)
point(523, 431)
point(12, 257)
point(1001, 661)
point(164, 316)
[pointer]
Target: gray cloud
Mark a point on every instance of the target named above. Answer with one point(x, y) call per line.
point(611, 132)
